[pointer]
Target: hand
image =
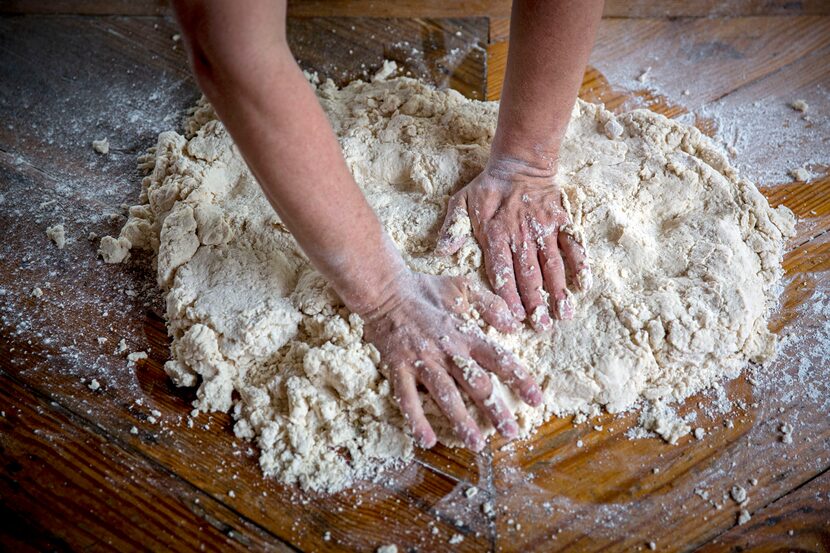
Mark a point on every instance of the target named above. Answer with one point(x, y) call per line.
point(427, 333)
point(517, 217)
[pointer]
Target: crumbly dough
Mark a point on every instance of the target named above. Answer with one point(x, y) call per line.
point(101, 146)
point(57, 234)
point(685, 254)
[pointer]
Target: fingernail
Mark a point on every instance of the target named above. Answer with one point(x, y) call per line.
point(565, 310)
point(534, 396)
point(540, 318)
point(473, 440)
point(508, 428)
point(585, 279)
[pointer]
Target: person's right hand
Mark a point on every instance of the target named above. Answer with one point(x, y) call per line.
point(427, 334)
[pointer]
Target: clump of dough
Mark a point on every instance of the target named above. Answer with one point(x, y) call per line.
point(686, 256)
point(57, 234)
point(101, 146)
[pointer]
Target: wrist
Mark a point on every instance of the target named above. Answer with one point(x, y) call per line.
point(375, 284)
point(525, 167)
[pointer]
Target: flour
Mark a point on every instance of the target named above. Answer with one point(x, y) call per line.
point(685, 254)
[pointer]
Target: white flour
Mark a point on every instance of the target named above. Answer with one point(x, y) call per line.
point(685, 255)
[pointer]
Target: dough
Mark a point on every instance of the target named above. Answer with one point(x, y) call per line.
point(686, 256)
point(57, 234)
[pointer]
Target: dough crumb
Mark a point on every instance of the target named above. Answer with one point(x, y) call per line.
point(114, 250)
point(136, 356)
point(101, 146)
point(800, 174)
point(456, 539)
point(800, 105)
point(644, 76)
point(94, 385)
point(700, 433)
point(652, 545)
point(471, 492)
point(102, 340)
point(738, 493)
point(787, 432)
point(134, 430)
point(743, 517)
point(37, 292)
point(391, 548)
point(121, 347)
point(57, 234)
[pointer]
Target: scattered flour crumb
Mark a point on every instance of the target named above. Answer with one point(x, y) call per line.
point(37, 292)
point(699, 433)
point(102, 340)
point(94, 385)
point(122, 346)
point(101, 146)
point(133, 430)
point(136, 355)
point(644, 76)
point(471, 492)
point(743, 517)
point(738, 493)
point(800, 105)
point(456, 539)
point(800, 174)
point(57, 234)
point(391, 548)
point(652, 545)
point(787, 431)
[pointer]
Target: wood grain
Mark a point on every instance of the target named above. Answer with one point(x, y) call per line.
point(66, 486)
point(550, 492)
point(800, 521)
point(438, 8)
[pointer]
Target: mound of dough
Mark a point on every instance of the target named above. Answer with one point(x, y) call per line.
point(686, 256)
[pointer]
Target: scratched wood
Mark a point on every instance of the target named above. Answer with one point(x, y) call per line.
point(604, 495)
point(65, 483)
point(440, 8)
point(799, 521)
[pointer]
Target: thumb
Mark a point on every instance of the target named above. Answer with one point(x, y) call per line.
point(456, 228)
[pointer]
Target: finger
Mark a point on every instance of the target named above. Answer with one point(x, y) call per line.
point(576, 260)
point(553, 273)
point(406, 394)
point(493, 309)
point(478, 386)
point(442, 388)
point(529, 279)
point(507, 367)
point(456, 228)
point(498, 260)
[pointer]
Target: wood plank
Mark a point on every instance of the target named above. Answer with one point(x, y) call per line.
point(723, 54)
point(438, 8)
point(67, 486)
point(799, 521)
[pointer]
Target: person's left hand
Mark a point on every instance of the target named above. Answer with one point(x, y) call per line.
point(518, 219)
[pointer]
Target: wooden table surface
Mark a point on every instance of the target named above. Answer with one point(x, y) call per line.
point(118, 467)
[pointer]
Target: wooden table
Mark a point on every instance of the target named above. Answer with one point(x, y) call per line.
point(118, 468)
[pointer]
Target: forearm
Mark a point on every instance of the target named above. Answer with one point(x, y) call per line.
point(550, 42)
point(282, 132)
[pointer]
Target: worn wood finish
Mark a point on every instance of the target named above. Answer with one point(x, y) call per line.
point(604, 495)
point(799, 521)
point(440, 8)
point(67, 484)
